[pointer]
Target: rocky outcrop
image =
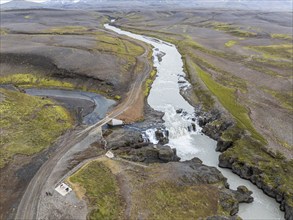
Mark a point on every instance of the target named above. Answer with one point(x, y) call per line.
point(152, 154)
point(228, 202)
point(288, 212)
point(220, 130)
point(257, 176)
point(229, 199)
point(167, 154)
point(205, 174)
point(118, 138)
point(214, 129)
point(206, 117)
point(223, 145)
point(242, 194)
point(162, 136)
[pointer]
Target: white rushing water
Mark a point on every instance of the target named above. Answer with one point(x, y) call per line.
point(165, 97)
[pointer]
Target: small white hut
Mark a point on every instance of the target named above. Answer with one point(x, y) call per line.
point(115, 122)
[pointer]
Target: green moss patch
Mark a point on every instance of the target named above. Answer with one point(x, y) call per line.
point(67, 30)
point(285, 98)
point(3, 31)
point(29, 80)
point(149, 82)
point(34, 80)
point(101, 190)
point(230, 43)
point(227, 98)
point(120, 46)
point(29, 124)
point(124, 49)
point(233, 30)
point(165, 200)
point(283, 51)
point(282, 36)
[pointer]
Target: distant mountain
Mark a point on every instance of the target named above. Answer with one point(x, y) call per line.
point(265, 5)
point(20, 4)
point(61, 3)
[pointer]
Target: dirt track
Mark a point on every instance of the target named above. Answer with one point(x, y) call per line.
point(29, 205)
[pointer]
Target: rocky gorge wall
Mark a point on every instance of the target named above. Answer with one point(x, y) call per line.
point(217, 125)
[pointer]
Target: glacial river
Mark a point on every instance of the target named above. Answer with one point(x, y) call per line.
point(165, 97)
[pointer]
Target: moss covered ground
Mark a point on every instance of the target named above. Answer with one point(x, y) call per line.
point(151, 196)
point(149, 82)
point(66, 30)
point(29, 124)
point(166, 200)
point(101, 190)
point(282, 36)
point(278, 51)
point(230, 43)
point(117, 45)
point(285, 98)
point(228, 99)
point(232, 29)
point(37, 80)
point(3, 31)
point(34, 80)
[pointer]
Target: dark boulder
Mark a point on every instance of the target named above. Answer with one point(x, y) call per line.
point(229, 203)
point(223, 145)
point(162, 137)
point(167, 154)
point(242, 194)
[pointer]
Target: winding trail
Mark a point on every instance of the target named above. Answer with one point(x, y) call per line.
point(28, 206)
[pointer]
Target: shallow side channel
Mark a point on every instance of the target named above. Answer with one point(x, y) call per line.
point(165, 97)
point(93, 112)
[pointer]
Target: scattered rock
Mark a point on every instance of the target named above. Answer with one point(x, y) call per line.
point(229, 203)
point(193, 126)
point(167, 154)
point(223, 145)
point(242, 194)
point(162, 137)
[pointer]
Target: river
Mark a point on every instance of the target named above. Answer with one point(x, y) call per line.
point(165, 97)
